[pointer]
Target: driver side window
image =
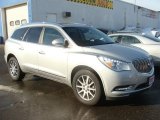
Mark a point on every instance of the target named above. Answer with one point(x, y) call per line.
point(50, 35)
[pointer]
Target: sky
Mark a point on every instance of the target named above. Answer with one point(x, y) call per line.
point(150, 4)
point(5, 3)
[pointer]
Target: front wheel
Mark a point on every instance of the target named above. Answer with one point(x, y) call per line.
point(87, 87)
point(14, 69)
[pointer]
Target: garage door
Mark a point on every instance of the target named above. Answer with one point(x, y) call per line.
point(16, 16)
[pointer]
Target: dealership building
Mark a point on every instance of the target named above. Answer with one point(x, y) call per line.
point(106, 14)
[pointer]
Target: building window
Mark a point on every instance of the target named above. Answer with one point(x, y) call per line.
point(24, 21)
point(17, 22)
point(12, 23)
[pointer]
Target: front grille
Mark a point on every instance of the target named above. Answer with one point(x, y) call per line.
point(143, 65)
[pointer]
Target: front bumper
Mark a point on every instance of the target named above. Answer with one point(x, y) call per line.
point(122, 84)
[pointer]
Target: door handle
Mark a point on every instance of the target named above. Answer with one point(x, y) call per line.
point(42, 52)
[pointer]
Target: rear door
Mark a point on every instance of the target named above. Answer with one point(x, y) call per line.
point(17, 46)
point(30, 48)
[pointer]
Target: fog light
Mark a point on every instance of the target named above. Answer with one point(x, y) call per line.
point(124, 88)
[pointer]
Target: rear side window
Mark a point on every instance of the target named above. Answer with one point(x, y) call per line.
point(33, 35)
point(19, 34)
point(129, 40)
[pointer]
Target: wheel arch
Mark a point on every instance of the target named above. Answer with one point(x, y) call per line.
point(81, 67)
point(12, 55)
point(9, 56)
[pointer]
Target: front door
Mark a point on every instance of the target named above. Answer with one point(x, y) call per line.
point(52, 60)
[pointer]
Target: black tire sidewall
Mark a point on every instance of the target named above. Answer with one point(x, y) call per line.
point(97, 97)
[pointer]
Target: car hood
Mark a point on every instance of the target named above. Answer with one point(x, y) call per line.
point(117, 51)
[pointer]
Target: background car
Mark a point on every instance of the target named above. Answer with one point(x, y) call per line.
point(151, 32)
point(145, 42)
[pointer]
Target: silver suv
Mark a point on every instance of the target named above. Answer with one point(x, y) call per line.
point(80, 56)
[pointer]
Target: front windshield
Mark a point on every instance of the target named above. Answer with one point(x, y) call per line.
point(87, 36)
point(152, 38)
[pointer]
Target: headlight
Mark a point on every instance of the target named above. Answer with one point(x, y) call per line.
point(115, 65)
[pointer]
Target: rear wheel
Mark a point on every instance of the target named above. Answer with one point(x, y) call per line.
point(87, 87)
point(14, 69)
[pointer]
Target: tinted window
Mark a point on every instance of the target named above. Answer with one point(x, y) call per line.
point(115, 38)
point(18, 34)
point(33, 35)
point(51, 34)
point(129, 40)
point(87, 36)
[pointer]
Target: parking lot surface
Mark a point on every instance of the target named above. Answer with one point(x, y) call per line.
point(37, 98)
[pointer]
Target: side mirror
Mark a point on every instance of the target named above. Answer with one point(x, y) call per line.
point(58, 42)
point(66, 43)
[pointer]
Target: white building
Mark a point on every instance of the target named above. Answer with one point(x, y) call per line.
point(107, 14)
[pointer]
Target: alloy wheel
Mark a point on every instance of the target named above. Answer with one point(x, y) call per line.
point(86, 87)
point(13, 68)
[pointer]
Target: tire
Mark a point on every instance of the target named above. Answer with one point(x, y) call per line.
point(15, 70)
point(87, 87)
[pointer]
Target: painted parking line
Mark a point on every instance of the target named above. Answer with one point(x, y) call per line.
point(9, 89)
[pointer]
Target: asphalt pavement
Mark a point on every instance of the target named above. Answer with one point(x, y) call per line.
point(37, 98)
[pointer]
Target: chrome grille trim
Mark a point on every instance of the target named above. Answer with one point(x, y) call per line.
point(143, 65)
